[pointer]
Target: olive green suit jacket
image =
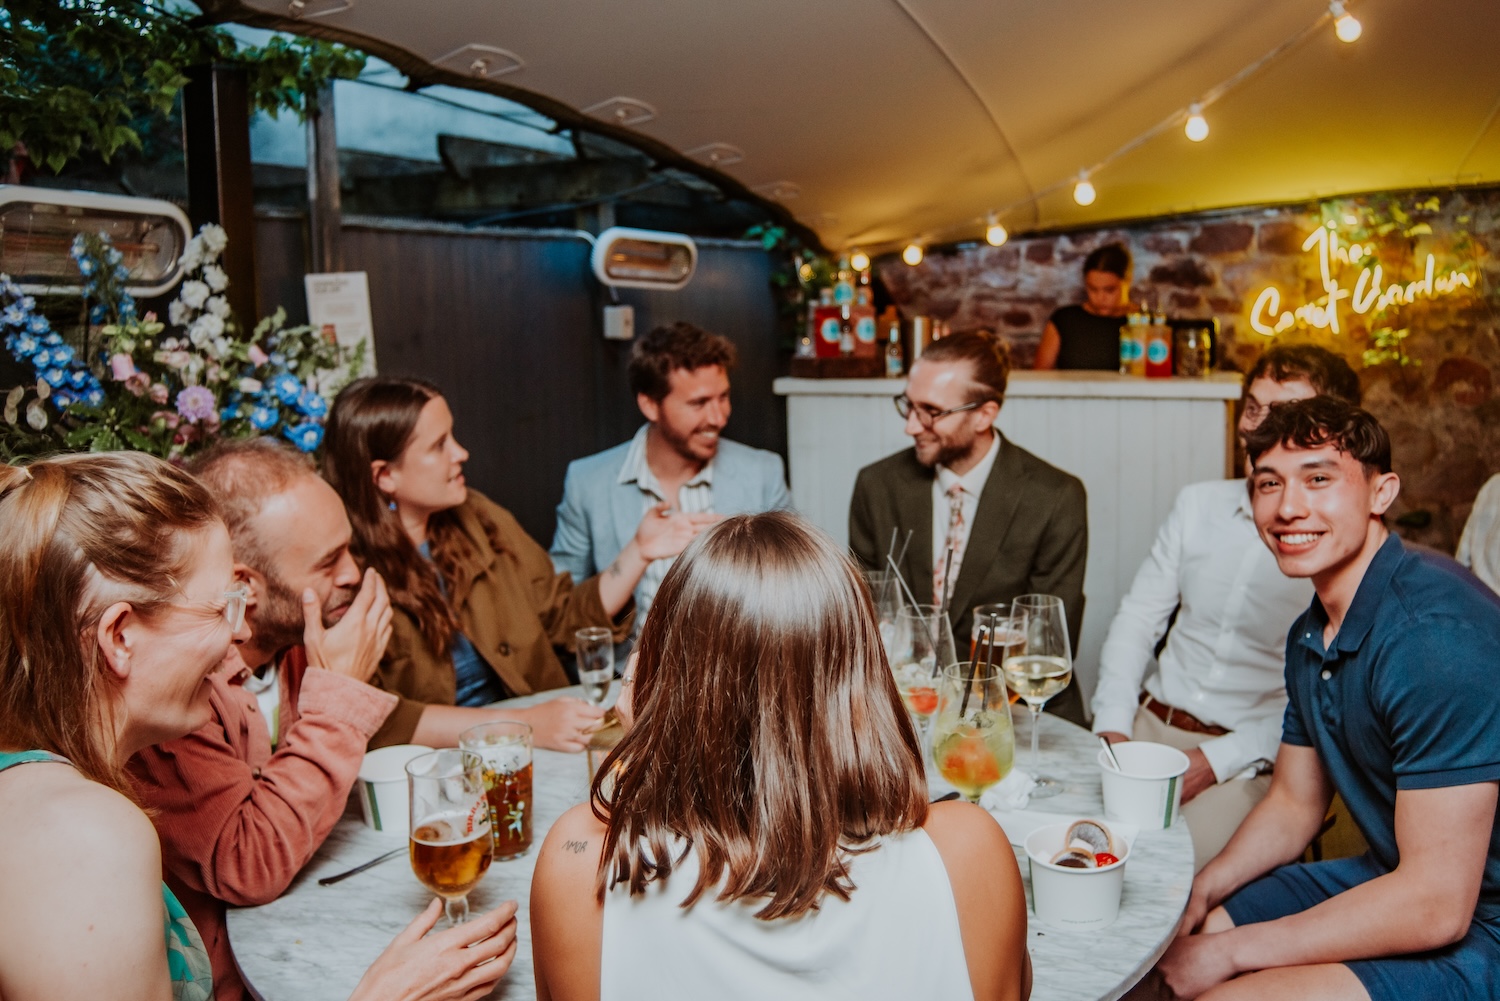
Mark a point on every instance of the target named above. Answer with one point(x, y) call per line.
point(1030, 536)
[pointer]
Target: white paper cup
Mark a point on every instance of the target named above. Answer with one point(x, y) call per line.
point(382, 787)
point(1073, 899)
point(1147, 791)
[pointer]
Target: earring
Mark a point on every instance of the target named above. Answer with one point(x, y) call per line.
point(391, 506)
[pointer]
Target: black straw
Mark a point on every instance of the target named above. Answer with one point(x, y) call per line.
point(989, 653)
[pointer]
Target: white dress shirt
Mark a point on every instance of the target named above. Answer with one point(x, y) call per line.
point(973, 483)
point(1225, 659)
point(696, 496)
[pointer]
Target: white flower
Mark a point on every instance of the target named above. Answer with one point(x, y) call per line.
point(214, 238)
point(220, 347)
point(205, 329)
point(250, 386)
point(178, 312)
point(218, 306)
point(192, 254)
point(216, 278)
point(194, 293)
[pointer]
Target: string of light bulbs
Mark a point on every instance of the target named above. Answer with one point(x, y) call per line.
point(1194, 126)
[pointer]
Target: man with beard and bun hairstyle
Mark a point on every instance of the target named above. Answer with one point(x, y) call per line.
point(677, 461)
point(1014, 524)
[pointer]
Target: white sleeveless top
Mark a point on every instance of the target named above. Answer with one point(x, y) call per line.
point(896, 937)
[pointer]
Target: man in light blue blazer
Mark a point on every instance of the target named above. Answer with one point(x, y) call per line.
point(678, 461)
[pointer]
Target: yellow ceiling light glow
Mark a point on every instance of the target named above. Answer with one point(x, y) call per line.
point(994, 233)
point(859, 261)
point(1083, 191)
point(912, 254)
point(1345, 24)
point(1196, 128)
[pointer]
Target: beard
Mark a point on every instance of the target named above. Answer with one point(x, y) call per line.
point(278, 619)
point(941, 452)
point(685, 444)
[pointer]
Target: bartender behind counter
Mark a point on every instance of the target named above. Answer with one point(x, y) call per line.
point(1088, 336)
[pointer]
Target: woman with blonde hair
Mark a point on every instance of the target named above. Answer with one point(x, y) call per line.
point(117, 601)
point(763, 828)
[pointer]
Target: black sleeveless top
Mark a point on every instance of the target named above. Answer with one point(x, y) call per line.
point(1088, 341)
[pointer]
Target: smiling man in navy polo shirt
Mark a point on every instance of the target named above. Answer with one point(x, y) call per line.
point(1393, 704)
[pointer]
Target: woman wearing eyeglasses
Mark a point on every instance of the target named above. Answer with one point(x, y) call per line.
point(116, 604)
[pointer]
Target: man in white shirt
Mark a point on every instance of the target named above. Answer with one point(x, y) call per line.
point(1218, 690)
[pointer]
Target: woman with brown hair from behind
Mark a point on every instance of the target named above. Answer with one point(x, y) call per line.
point(763, 828)
point(117, 601)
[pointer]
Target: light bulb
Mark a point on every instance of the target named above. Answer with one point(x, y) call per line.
point(912, 254)
point(1197, 126)
point(1345, 24)
point(995, 234)
point(1083, 191)
point(859, 261)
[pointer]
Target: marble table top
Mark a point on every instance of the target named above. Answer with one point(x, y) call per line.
point(315, 942)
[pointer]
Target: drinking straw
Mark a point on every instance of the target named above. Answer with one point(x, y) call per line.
point(909, 597)
point(891, 549)
point(901, 556)
point(1110, 750)
point(942, 603)
point(989, 653)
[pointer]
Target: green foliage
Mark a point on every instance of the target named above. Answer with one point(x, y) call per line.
point(81, 77)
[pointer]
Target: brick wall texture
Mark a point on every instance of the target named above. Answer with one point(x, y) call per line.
point(1436, 395)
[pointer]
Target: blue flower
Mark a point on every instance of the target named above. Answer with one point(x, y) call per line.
point(38, 325)
point(306, 436)
point(264, 418)
point(93, 396)
point(86, 266)
point(98, 314)
point(127, 308)
point(277, 359)
point(42, 358)
point(230, 413)
point(22, 346)
point(62, 399)
point(55, 377)
point(286, 387)
point(79, 378)
point(53, 339)
point(312, 404)
point(62, 355)
point(14, 316)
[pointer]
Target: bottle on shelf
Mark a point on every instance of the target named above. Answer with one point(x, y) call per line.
point(893, 367)
point(843, 286)
point(1158, 348)
point(862, 315)
point(1133, 345)
point(846, 332)
point(826, 318)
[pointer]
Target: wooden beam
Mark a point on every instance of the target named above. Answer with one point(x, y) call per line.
point(324, 211)
point(216, 144)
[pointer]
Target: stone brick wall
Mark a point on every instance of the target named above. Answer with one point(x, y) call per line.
point(1429, 368)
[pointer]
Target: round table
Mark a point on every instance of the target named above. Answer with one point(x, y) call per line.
point(315, 942)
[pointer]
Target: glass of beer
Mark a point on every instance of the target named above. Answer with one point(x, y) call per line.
point(973, 743)
point(596, 662)
point(505, 750)
point(450, 826)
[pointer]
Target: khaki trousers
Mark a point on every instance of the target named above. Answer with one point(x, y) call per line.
point(1215, 813)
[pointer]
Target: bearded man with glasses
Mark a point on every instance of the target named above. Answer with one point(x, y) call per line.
point(1012, 523)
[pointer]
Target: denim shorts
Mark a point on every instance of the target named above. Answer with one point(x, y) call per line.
point(1470, 968)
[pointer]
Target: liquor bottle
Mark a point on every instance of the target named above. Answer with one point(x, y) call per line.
point(826, 317)
point(1158, 363)
point(862, 314)
point(843, 286)
point(846, 333)
point(892, 346)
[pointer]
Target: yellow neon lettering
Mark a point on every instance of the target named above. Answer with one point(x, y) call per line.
point(1268, 301)
point(1362, 302)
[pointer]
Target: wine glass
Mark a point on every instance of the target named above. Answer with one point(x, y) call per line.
point(1038, 664)
point(885, 591)
point(451, 844)
point(596, 662)
point(924, 646)
point(973, 741)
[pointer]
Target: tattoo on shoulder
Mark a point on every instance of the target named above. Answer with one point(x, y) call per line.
point(576, 847)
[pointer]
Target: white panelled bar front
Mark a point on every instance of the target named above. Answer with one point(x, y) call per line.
point(1133, 442)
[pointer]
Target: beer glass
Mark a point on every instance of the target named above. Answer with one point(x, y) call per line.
point(505, 750)
point(1038, 665)
point(596, 662)
point(450, 826)
point(973, 743)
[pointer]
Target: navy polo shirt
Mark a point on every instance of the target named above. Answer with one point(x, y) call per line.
point(1407, 696)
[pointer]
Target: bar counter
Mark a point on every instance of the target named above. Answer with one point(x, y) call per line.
point(1133, 442)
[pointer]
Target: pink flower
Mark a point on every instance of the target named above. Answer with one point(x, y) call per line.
point(197, 403)
point(257, 355)
point(137, 383)
point(121, 366)
point(158, 393)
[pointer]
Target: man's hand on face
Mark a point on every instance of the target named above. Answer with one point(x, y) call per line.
point(664, 533)
point(353, 646)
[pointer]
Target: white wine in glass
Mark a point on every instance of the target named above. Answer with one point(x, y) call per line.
point(1038, 664)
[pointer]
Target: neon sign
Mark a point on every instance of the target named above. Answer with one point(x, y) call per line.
point(1369, 293)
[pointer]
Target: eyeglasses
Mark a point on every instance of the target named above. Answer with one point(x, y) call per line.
point(233, 611)
point(926, 416)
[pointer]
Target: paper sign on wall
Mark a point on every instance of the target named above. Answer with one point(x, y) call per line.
point(339, 304)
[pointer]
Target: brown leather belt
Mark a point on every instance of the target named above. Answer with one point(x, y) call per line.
point(1180, 718)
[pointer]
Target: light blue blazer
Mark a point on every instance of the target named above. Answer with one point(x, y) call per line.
point(599, 514)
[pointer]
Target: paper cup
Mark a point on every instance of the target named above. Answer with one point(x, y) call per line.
point(382, 787)
point(1072, 899)
point(1147, 791)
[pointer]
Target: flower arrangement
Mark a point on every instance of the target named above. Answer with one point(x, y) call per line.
point(124, 380)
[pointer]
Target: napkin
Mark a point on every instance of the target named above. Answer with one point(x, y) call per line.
point(1013, 792)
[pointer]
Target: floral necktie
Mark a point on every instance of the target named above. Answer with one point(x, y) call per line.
point(954, 544)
